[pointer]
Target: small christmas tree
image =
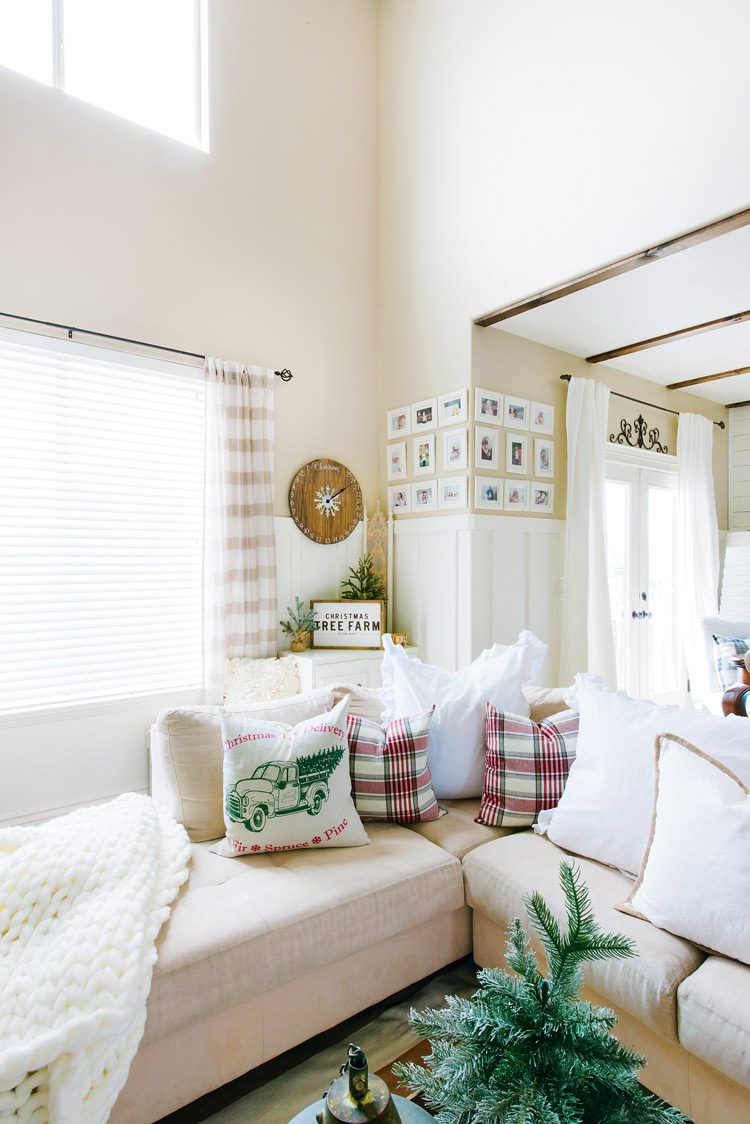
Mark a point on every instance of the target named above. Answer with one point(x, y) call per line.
point(525, 1049)
point(363, 583)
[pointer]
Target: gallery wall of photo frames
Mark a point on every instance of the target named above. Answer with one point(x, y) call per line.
point(429, 460)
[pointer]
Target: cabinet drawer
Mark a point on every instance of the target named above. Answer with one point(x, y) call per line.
point(360, 673)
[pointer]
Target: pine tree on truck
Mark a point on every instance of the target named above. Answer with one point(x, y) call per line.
point(279, 787)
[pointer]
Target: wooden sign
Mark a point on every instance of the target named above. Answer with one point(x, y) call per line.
point(348, 624)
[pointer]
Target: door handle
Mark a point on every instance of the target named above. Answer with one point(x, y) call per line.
point(642, 616)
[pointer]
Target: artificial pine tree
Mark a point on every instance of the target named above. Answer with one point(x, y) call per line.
point(525, 1049)
point(363, 583)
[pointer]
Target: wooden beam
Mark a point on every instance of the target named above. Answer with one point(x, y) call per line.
point(670, 337)
point(707, 378)
point(616, 268)
point(735, 405)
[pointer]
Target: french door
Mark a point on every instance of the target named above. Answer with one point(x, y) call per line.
point(641, 557)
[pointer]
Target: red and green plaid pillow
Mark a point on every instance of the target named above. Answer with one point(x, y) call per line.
point(527, 766)
point(388, 767)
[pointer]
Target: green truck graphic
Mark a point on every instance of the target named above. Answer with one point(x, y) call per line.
point(279, 787)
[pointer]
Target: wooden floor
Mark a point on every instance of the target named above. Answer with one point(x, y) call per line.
point(278, 1091)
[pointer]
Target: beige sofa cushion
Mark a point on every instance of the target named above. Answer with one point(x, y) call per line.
point(364, 702)
point(187, 756)
point(501, 873)
point(545, 701)
point(456, 832)
point(714, 1016)
point(244, 926)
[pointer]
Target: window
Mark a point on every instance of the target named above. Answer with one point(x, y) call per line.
point(141, 59)
point(101, 524)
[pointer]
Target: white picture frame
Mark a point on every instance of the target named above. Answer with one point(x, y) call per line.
point(516, 412)
point(542, 417)
point(424, 415)
point(453, 407)
point(398, 423)
point(424, 496)
point(487, 446)
point(396, 467)
point(542, 497)
point(517, 454)
point(399, 499)
point(455, 449)
point(452, 492)
point(423, 455)
point(516, 495)
point(544, 457)
point(488, 406)
point(488, 493)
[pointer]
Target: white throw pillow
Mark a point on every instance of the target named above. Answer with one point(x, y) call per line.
point(682, 887)
point(605, 810)
point(456, 749)
point(288, 787)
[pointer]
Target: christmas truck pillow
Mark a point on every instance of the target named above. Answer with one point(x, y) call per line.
point(287, 788)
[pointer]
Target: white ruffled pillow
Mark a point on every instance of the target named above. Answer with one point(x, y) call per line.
point(682, 888)
point(456, 755)
point(605, 810)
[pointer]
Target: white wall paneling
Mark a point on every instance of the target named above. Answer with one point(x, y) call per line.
point(739, 469)
point(464, 582)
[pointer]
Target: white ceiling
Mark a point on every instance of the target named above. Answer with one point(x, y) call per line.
point(700, 284)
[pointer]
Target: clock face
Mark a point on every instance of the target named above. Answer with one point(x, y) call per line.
point(325, 501)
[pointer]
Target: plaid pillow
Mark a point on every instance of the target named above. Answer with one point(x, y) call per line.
point(388, 767)
point(527, 766)
point(726, 649)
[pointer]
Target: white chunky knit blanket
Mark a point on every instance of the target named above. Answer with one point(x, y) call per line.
point(82, 899)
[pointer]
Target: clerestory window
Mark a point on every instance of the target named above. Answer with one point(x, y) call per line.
point(141, 59)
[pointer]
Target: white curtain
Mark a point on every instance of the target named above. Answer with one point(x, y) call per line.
point(587, 640)
point(697, 542)
point(239, 565)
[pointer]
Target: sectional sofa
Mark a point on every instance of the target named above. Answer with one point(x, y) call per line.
point(262, 953)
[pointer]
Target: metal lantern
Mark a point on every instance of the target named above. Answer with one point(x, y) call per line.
point(358, 1097)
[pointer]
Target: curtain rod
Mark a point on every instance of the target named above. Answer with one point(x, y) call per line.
point(651, 405)
point(285, 374)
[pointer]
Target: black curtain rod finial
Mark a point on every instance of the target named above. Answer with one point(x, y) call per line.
point(285, 375)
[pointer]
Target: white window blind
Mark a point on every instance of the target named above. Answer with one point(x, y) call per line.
point(101, 524)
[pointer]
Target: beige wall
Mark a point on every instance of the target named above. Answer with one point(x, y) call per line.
point(508, 363)
point(516, 151)
point(264, 249)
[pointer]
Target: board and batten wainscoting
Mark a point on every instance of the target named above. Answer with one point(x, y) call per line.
point(464, 582)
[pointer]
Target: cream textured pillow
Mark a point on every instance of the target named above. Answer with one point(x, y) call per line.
point(695, 878)
point(605, 810)
point(456, 746)
point(287, 788)
point(186, 757)
point(250, 681)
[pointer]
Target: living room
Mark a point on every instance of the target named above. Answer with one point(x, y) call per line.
point(355, 186)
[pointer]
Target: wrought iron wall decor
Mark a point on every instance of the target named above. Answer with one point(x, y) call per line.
point(645, 438)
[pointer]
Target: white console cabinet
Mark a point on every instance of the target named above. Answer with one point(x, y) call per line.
point(359, 668)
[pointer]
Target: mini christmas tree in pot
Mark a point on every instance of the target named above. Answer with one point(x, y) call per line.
point(363, 582)
point(300, 623)
point(525, 1049)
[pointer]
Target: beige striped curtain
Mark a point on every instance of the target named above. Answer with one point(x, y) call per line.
point(239, 566)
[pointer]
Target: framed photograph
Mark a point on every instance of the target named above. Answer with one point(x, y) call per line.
point(488, 493)
point(398, 423)
point(516, 495)
point(424, 495)
point(542, 417)
point(396, 461)
point(516, 454)
point(424, 415)
point(452, 492)
point(348, 624)
point(453, 407)
point(423, 463)
point(486, 446)
point(516, 412)
point(542, 497)
point(488, 407)
point(399, 499)
point(455, 450)
point(544, 453)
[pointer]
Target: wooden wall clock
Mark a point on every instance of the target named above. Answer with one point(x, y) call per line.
point(325, 501)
